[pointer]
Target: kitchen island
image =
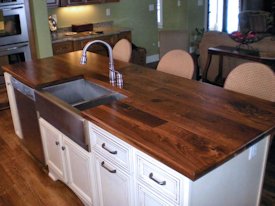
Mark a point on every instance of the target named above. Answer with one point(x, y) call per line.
point(217, 140)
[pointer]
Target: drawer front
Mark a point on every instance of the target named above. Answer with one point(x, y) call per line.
point(111, 148)
point(62, 47)
point(159, 178)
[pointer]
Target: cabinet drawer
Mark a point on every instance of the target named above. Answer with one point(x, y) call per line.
point(159, 178)
point(62, 47)
point(111, 148)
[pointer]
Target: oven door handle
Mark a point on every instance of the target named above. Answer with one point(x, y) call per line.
point(12, 8)
point(13, 48)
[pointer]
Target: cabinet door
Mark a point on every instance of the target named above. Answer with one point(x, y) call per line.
point(79, 170)
point(114, 186)
point(145, 197)
point(52, 3)
point(125, 35)
point(94, 1)
point(107, 1)
point(62, 47)
point(96, 48)
point(53, 151)
point(78, 2)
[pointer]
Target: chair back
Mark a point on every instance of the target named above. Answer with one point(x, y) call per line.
point(177, 62)
point(253, 79)
point(122, 50)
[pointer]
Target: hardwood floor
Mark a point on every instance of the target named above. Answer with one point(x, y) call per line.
point(25, 183)
point(22, 180)
point(4, 102)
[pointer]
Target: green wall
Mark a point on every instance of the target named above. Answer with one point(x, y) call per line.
point(174, 16)
point(133, 14)
point(188, 16)
point(41, 29)
point(195, 14)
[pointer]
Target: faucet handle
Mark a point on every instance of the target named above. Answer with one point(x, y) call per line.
point(119, 79)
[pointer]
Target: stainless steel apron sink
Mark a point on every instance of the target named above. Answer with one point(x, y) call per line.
point(61, 105)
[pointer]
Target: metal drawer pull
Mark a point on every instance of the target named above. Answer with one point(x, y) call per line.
point(57, 143)
point(104, 147)
point(159, 182)
point(63, 148)
point(104, 166)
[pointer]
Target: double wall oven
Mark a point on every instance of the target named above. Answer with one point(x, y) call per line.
point(14, 39)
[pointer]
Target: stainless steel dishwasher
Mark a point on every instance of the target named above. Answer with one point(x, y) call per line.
point(25, 100)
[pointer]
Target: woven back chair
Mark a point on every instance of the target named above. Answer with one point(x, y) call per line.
point(254, 79)
point(177, 62)
point(122, 50)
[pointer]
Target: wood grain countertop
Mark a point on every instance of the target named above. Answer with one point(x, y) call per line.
point(191, 126)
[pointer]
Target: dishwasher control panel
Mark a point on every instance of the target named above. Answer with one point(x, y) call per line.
point(24, 89)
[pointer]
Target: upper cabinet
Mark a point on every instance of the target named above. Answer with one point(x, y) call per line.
point(52, 3)
point(57, 3)
point(78, 2)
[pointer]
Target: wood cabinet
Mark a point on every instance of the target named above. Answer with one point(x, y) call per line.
point(67, 161)
point(78, 2)
point(52, 3)
point(61, 3)
point(69, 46)
point(125, 35)
point(109, 1)
point(96, 48)
point(62, 47)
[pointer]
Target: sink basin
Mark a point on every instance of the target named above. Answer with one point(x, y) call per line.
point(83, 94)
point(61, 106)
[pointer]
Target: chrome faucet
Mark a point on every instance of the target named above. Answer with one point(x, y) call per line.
point(112, 71)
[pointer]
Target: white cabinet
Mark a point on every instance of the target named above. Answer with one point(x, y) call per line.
point(13, 106)
point(67, 161)
point(113, 169)
point(145, 197)
point(78, 163)
point(157, 184)
point(113, 184)
point(53, 151)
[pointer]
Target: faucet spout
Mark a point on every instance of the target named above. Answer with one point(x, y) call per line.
point(83, 60)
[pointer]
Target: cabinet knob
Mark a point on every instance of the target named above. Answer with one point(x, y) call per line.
point(57, 143)
point(63, 148)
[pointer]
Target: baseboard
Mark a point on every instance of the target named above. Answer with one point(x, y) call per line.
point(152, 58)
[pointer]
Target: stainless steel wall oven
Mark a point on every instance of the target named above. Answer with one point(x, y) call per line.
point(13, 23)
point(14, 39)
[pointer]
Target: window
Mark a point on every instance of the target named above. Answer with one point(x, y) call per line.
point(160, 14)
point(223, 15)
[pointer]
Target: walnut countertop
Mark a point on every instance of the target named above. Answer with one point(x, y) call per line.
point(191, 126)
